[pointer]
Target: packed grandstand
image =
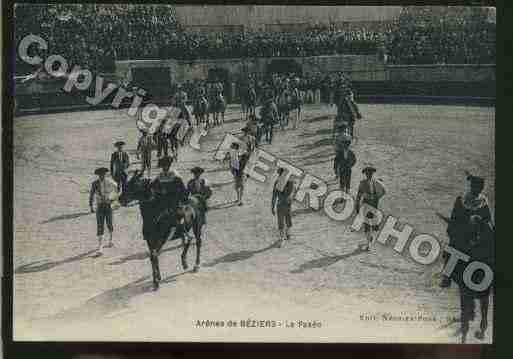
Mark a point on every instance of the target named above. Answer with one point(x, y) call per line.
point(420, 35)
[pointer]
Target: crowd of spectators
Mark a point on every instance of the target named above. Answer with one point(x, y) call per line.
point(94, 36)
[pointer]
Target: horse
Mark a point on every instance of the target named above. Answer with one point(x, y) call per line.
point(217, 106)
point(160, 226)
point(477, 241)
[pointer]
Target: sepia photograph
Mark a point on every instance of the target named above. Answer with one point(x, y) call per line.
point(253, 173)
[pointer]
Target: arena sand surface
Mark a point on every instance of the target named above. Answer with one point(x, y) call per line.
point(63, 293)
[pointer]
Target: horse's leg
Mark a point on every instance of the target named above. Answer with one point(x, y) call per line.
point(197, 234)
point(154, 265)
point(186, 243)
point(484, 303)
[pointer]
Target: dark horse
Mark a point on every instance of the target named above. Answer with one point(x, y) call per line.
point(470, 231)
point(162, 225)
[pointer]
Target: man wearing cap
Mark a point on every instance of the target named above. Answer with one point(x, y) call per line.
point(199, 188)
point(119, 163)
point(370, 192)
point(470, 218)
point(343, 163)
point(282, 201)
point(103, 193)
point(144, 149)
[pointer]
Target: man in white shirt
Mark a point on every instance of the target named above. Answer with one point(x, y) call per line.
point(103, 192)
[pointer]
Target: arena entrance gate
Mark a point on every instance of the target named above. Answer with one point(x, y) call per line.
point(284, 66)
point(222, 75)
point(155, 80)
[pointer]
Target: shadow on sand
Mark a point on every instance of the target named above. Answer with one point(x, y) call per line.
point(141, 256)
point(326, 261)
point(112, 300)
point(314, 145)
point(66, 216)
point(223, 205)
point(240, 256)
point(44, 265)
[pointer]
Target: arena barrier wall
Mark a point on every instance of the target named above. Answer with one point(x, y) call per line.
point(373, 80)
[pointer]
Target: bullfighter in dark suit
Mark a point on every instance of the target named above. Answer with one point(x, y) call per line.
point(119, 163)
point(343, 163)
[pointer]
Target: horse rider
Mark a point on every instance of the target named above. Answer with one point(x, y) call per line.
point(144, 149)
point(369, 193)
point(200, 189)
point(103, 192)
point(347, 109)
point(470, 217)
point(345, 160)
point(169, 190)
point(282, 201)
point(119, 163)
point(269, 115)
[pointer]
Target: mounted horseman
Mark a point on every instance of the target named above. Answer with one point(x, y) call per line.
point(166, 213)
point(347, 110)
point(471, 231)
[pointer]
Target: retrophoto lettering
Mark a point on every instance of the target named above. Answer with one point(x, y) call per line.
point(318, 174)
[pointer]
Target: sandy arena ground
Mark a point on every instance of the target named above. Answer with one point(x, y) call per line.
point(63, 293)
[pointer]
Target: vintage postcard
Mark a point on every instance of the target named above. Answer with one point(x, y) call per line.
point(319, 174)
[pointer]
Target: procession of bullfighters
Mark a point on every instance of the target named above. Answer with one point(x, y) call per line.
point(253, 173)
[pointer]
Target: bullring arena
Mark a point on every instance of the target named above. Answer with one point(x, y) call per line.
point(62, 292)
point(415, 83)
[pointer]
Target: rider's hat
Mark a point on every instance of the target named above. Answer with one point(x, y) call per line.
point(368, 169)
point(476, 181)
point(165, 161)
point(197, 170)
point(119, 144)
point(101, 171)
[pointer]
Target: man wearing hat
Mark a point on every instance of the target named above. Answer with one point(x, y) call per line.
point(199, 188)
point(470, 217)
point(282, 201)
point(119, 163)
point(103, 193)
point(370, 192)
point(237, 163)
point(269, 115)
point(248, 141)
point(168, 187)
point(144, 149)
point(344, 162)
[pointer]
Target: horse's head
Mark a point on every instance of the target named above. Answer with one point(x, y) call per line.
point(138, 188)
